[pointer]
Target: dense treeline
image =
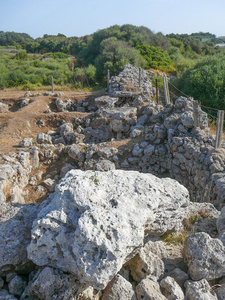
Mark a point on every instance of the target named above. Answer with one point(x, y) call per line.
point(206, 81)
point(83, 61)
point(17, 40)
point(90, 56)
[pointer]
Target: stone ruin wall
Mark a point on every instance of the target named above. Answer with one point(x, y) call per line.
point(169, 144)
point(125, 130)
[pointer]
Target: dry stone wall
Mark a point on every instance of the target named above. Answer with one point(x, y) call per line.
point(161, 140)
point(169, 143)
point(102, 226)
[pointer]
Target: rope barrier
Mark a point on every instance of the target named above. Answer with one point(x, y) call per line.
point(219, 118)
point(178, 89)
point(175, 96)
point(211, 116)
point(172, 94)
point(209, 107)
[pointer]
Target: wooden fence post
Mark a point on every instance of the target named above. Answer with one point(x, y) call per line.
point(166, 90)
point(139, 78)
point(52, 84)
point(156, 87)
point(196, 114)
point(219, 128)
point(108, 78)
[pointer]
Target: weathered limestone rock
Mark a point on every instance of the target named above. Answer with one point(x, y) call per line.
point(24, 158)
point(149, 290)
point(63, 106)
point(126, 84)
point(220, 292)
point(202, 217)
point(24, 102)
point(171, 255)
point(4, 295)
point(200, 290)
point(50, 283)
point(103, 100)
point(17, 286)
point(4, 108)
point(119, 288)
point(91, 150)
point(137, 151)
point(34, 157)
point(149, 150)
point(59, 140)
point(1, 283)
point(10, 276)
point(88, 293)
point(117, 112)
point(15, 228)
point(205, 256)
point(95, 223)
point(17, 196)
point(49, 184)
point(76, 152)
point(66, 168)
point(179, 276)
point(221, 226)
point(219, 189)
point(43, 138)
point(171, 289)
point(27, 142)
point(65, 128)
point(102, 133)
point(6, 172)
point(119, 125)
point(146, 263)
point(136, 130)
point(107, 152)
point(41, 191)
point(104, 165)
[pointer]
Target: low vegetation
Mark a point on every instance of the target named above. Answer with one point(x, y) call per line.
point(82, 62)
point(174, 238)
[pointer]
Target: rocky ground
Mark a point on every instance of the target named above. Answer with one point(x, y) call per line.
point(83, 215)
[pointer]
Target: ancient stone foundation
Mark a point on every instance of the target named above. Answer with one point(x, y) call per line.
point(110, 229)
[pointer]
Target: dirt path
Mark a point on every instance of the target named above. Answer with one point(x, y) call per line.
point(20, 123)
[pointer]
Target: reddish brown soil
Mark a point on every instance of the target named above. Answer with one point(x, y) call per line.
point(14, 124)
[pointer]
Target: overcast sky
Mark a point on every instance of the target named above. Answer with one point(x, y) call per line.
point(81, 17)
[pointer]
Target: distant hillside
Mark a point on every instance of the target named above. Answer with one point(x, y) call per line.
point(84, 61)
point(15, 39)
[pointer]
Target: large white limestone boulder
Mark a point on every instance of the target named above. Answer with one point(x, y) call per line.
point(96, 221)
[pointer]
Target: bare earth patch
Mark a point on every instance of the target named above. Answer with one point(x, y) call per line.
point(21, 123)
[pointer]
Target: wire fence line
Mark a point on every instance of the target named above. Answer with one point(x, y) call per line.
point(177, 89)
point(209, 110)
point(168, 96)
point(213, 117)
point(173, 96)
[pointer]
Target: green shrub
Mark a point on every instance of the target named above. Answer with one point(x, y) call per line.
point(156, 58)
point(3, 82)
point(205, 81)
point(174, 238)
point(17, 78)
point(21, 55)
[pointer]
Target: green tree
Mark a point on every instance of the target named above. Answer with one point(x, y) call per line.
point(21, 55)
point(206, 81)
point(84, 76)
point(115, 54)
point(156, 58)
